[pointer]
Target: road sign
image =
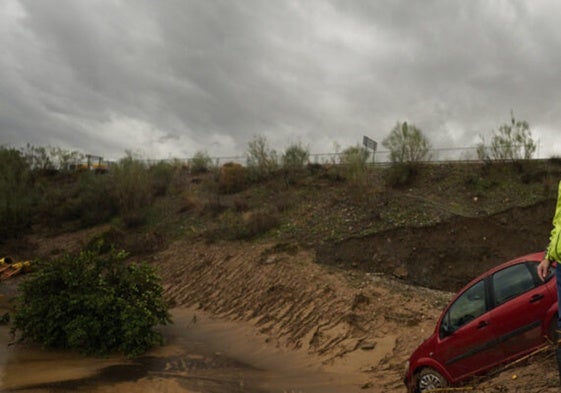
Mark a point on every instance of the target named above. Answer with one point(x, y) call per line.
point(369, 143)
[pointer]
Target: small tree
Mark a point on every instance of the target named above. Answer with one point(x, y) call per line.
point(295, 157)
point(293, 161)
point(261, 159)
point(200, 163)
point(354, 161)
point(131, 189)
point(92, 303)
point(16, 198)
point(38, 158)
point(510, 142)
point(65, 158)
point(232, 178)
point(407, 144)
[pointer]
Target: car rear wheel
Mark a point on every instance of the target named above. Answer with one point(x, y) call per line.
point(430, 379)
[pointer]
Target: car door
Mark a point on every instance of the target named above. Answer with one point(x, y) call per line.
point(521, 303)
point(467, 340)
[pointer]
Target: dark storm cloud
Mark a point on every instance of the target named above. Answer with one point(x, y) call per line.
point(169, 78)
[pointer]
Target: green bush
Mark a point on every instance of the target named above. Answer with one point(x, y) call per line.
point(45, 160)
point(407, 143)
point(91, 303)
point(131, 188)
point(353, 160)
point(88, 201)
point(94, 204)
point(295, 157)
point(18, 194)
point(294, 160)
point(260, 222)
point(400, 174)
point(200, 163)
point(232, 178)
point(162, 175)
point(262, 161)
point(511, 141)
point(233, 225)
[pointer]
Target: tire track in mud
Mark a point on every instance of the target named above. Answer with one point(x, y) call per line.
point(281, 299)
point(300, 305)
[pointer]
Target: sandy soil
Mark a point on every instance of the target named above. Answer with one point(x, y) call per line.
point(353, 322)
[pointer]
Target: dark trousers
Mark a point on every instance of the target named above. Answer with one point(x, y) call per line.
point(557, 336)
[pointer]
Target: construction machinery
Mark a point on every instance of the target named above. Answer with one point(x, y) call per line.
point(9, 268)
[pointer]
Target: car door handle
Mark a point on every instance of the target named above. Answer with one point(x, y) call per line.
point(482, 324)
point(536, 297)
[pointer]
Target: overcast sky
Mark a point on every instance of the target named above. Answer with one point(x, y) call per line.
point(168, 78)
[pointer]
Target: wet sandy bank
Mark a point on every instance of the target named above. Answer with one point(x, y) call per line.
point(201, 354)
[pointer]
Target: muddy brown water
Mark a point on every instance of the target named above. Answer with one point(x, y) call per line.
point(201, 354)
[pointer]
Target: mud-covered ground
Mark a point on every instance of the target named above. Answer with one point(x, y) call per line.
point(358, 307)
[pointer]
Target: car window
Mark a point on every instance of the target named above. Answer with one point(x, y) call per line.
point(511, 282)
point(470, 305)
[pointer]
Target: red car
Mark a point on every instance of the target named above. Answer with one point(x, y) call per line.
point(500, 316)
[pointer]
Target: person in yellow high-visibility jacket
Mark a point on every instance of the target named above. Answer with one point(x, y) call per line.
point(553, 254)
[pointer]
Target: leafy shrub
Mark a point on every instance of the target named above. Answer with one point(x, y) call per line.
point(45, 160)
point(407, 143)
point(95, 204)
point(161, 177)
point(136, 243)
point(260, 222)
point(295, 157)
point(232, 178)
point(38, 158)
point(510, 142)
point(555, 160)
point(315, 168)
point(18, 194)
point(200, 163)
point(81, 199)
point(92, 303)
point(354, 161)
point(235, 226)
point(400, 174)
point(261, 160)
point(131, 189)
point(294, 160)
point(480, 183)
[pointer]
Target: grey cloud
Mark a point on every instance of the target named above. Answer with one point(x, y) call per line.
point(209, 75)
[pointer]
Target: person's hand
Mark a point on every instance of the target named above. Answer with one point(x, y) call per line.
point(543, 269)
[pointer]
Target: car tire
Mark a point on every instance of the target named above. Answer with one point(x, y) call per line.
point(429, 379)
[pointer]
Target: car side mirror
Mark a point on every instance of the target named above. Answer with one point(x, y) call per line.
point(445, 330)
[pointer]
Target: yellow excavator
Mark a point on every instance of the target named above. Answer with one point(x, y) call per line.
point(9, 268)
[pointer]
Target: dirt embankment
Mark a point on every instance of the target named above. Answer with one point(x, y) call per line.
point(350, 304)
point(366, 324)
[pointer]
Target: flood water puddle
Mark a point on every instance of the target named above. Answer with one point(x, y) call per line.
point(201, 354)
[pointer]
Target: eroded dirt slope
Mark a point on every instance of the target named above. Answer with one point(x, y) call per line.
point(364, 323)
point(446, 255)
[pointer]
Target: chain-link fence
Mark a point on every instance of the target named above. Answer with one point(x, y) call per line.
point(382, 157)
